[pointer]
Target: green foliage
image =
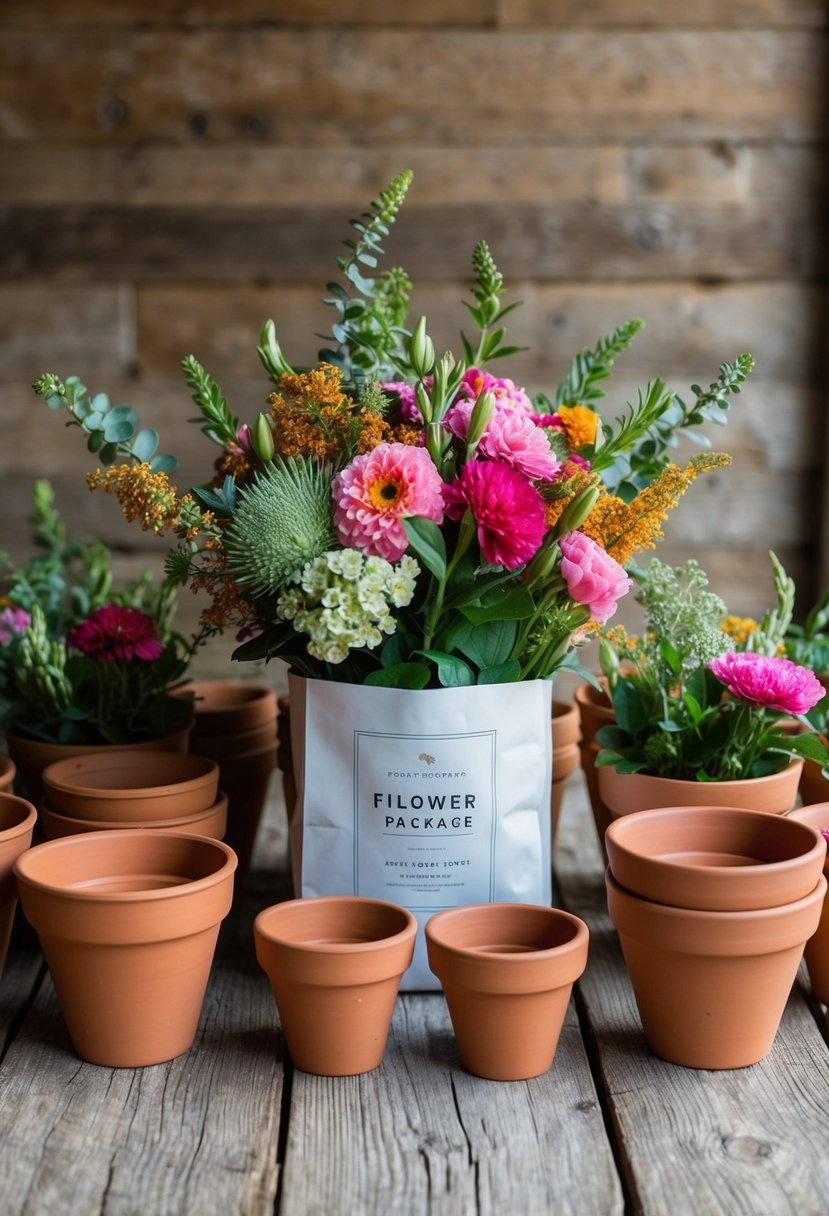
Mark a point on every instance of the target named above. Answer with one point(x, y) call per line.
point(808, 644)
point(590, 368)
point(112, 431)
point(487, 312)
point(217, 422)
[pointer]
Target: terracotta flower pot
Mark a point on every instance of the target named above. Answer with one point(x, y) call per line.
point(284, 756)
point(128, 922)
point(246, 780)
point(813, 785)
point(507, 971)
point(33, 755)
point(7, 773)
point(595, 711)
point(334, 966)
point(211, 823)
point(228, 706)
point(566, 724)
point(124, 786)
point(624, 793)
point(711, 987)
point(816, 952)
point(715, 858)
point(565, 762)
point(17, 821)
point(227, 746)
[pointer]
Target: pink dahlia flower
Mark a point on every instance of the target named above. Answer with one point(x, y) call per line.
point(766, 683)
point(510, 436)
point(112, 632)
point(503, 390)
point(593, 577)
point(506, 507)
point(377, 491)
point(13, 624)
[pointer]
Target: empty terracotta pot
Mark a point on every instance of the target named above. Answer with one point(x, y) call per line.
point(566, 724)
point(624, 793)
point(211, 823)
point(715, 858)
point(334, 966)
point(816, 952)
point(7, 772)
point(246, 780)
point(711, 987)
point(228, 706)
point(33, 755)
point(227, 746)
point(112, 784)
point(128, 922)
point(595, 711)
point(17, 821)
point(507, 971)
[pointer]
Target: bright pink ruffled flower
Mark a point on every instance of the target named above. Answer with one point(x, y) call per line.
point(13, 624)
point(405, 399)
point(503, 390)
point(767, 683)
point(506, 507)
point(510, 436)
point(113, 632)
point(380, 489)
point(593, 577)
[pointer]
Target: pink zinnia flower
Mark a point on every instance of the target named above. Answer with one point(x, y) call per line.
point(510, 436)
point(112, 632)
point(503, 390)
point(13, 624)
point(766, 683)
point(593, 577)
point(506, 507)
point(380, 489)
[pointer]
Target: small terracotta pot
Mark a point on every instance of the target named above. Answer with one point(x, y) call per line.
point(566, 724)
point(711, 987)
point(7, 772)
point(595, 711)
point(813, 785)
point(128, 923)
point(17, 821)
point(565, 762)
point(507, 971)
point(33, 755)
point(113, 784)
point(816, 952)
point(228, 706)
point(246, 780)
point(334, 966)
point(211, 823)
point(711, 858)
point(226, 747)
point(625, 793)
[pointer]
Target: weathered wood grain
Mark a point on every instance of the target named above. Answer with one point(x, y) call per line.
point(19, 981)
point(421, 1136)
point(733, 1142)
point(93, 330)
point(581, 242)
point(386, 87)
point(747, 13)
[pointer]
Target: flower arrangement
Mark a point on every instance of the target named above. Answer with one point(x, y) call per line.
point(398, 519)
point(79, 661)
point(699, 696)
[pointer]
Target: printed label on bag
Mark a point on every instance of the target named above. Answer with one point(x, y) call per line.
point(424, 817)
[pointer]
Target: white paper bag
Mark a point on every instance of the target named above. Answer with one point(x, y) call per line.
point(430, 799)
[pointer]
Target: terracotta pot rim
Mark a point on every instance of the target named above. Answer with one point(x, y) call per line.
point(740, 783)
point(23, 825)
point(143, 824)
point(58, 776)
point(265, 929)
point(437, 925)
point(29, 860)
point(806, 814)
point(77, 749)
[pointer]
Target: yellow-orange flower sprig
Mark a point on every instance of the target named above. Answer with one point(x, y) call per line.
point(143, 495)
point(623, 529)
point(579, 424)
point(229, 606)
point(312, 416)
point(738, 628)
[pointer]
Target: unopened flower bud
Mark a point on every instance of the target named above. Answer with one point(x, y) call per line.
point(478, 419)
point(263, 444)
point(577, 510)
point(421, 350)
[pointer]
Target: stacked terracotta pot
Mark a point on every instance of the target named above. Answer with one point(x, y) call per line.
point(713, 906)
point(112, 789)
point(566, 737)
point(817, 947)
point(235, 725)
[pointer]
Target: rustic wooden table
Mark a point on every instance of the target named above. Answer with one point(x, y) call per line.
point(231, 1128)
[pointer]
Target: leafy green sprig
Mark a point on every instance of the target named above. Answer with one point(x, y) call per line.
point(487, 311)
point(217, 422)
point(590, 368)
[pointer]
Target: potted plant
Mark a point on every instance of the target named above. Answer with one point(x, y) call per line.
point(698, 721)
point(81, 663)
point(425, 546)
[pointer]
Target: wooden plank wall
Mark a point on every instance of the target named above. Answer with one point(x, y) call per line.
point(173, 173)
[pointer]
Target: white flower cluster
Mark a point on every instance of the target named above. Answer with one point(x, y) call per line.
point(344, 599)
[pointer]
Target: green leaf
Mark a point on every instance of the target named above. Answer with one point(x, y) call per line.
point(489, 645)
point(426, 539)
point(163, 464)
point(145, 444)
point(108, 453)
point(501, 604)
point(120, 424)
point(503, 673)
point(452, 671)
point(808, 746)
point(403, 675)
point(630, 712)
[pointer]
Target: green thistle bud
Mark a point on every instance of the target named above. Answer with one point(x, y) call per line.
point(263, 444)
point(282, 521)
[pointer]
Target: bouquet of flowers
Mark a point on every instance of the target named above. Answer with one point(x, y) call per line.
point(700, 695)
point(80, 662)
point(394, 518)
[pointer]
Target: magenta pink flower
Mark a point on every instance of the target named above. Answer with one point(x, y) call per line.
point(777, 684)
point(593, 577)
point(112, 632)
point(503, 390)
point(405, 399)
point(13, 624)
point(377, 491)
point(510, 436)
point(506, 507)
